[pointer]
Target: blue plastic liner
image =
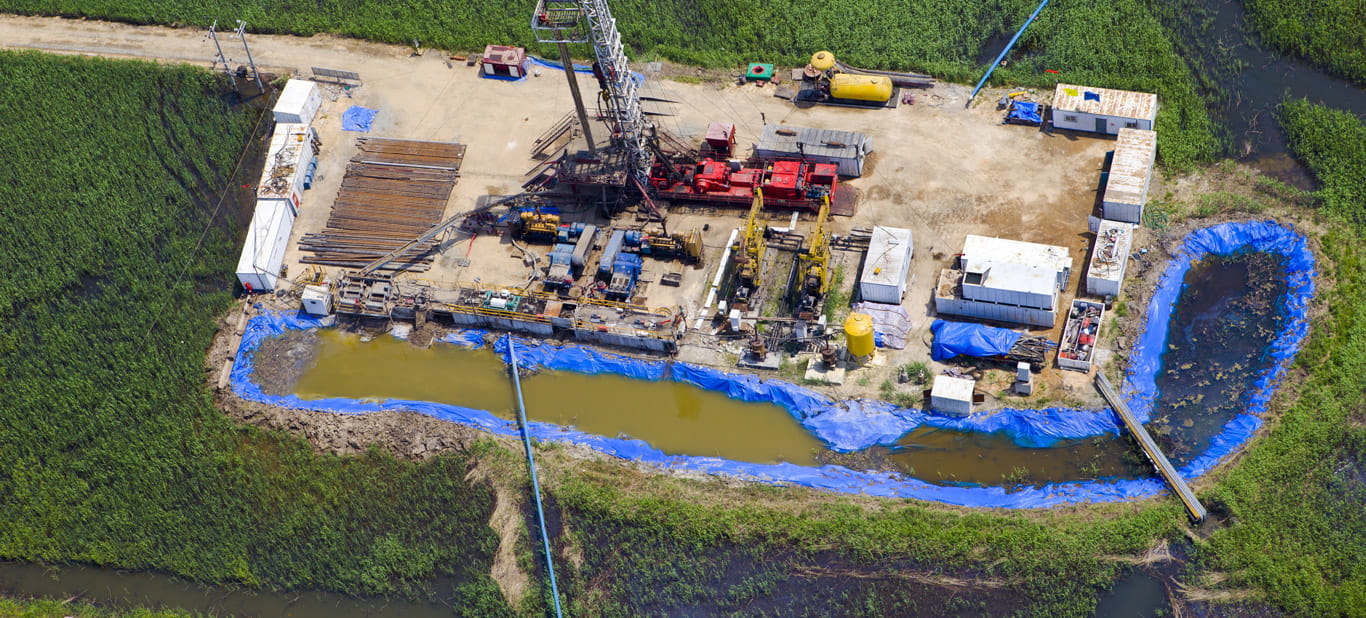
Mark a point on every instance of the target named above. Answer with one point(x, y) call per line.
point(857, 424)
point(357, 118)
point(966, 339)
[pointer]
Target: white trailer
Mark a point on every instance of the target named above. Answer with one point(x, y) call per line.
point(299, 102)
point(263, 254)
point(887, 265)
point(1109, 257)
point(1005, 280)
point(1130, 173)
point(287, 159)
point(1102, 110)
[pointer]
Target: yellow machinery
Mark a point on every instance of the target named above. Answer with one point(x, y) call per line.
point(822, 61)
point(748, 255)
point(537, 226)
point(686, 247)
point(858, 334)
point(815, 267)
point(876, 88)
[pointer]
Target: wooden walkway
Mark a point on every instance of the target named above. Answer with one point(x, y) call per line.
point(1164, 467)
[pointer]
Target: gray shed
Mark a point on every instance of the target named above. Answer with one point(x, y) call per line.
point(843, 148)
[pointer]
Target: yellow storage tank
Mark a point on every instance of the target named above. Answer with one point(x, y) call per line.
point(822, 60)
point(875, 88)
point(858, 333)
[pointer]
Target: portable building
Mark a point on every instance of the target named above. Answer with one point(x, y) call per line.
point(1131, 171)
point(282, 178)
point(504, 61)
point(994, 250)
point(317, 300)
point(263, 253)
point(1109, 257)
point(299, 102)
point(887, 265)
point(1005, 280)
point(1006, 283)
point(845, 149)
point(950, 395)
point(1102, 110)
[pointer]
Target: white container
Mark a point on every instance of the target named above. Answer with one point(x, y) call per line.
point(317, 300)
point(1109, 258)
point(1102, 110)
point(299, 102)
point(951, 395)
point(1007, 283)
point(992, 311)
point(287, 158)
point(263, 253)
point(1131, 171)
point(886, 265)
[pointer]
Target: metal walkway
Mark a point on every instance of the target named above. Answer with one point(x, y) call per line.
point(1164, 467)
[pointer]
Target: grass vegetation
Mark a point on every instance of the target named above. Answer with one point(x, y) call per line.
point(1332, 143)
point(46, 608)
point(1329, 33)
point(1119, 44)
point(111, 451)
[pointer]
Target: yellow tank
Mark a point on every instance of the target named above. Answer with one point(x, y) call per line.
point(822, 60)
point(876, 88)
point(858, 334)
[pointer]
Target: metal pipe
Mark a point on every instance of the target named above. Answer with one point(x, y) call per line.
point(1005, 51)
point(535, 485)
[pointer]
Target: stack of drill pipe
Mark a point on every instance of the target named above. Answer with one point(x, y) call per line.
point(393, 192)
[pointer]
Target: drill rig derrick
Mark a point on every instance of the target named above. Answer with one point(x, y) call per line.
point(748, 254)
point(815, 267)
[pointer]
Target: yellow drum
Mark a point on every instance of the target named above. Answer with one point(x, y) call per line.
point(876, 88)
point(858, 333)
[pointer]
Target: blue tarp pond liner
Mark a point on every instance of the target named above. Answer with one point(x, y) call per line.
point(357, 118)
point(853, 425)
point(967, 339)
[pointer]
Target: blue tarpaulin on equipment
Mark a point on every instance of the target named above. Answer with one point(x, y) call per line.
point(852, 425)
point(966, 339)
point(357, 118)
point(1025, 111)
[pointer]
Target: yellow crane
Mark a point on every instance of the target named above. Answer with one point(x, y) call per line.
point(815, 267)
point(748, 254)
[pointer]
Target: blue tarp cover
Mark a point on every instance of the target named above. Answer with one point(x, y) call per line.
point(1026, 111)
point(965, 339)
point(357, 118)
point(851, 425)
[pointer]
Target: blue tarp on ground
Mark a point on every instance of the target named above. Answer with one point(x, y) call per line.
point(1025, 111)
point(357, 118)
point(857, 424)
point(966, 339)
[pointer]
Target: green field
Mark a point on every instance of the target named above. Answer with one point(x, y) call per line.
point(111, 451)
point(1329, 33)
point(1118, 44)
point(1332, 143)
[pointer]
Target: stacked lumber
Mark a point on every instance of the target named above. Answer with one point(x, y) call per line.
point(393, 191)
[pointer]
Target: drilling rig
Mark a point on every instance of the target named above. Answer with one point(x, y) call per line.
point(748, 255)
point(815, 267)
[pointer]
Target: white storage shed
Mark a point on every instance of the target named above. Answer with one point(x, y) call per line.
point(1109, 257)
point(1102, 110)
point(951, 395)
point(1005, 280)
point(299, 102)
point(263, 253)
point(282, 178)
point(845, 149)
point(887, 265)
point(1131, 171)
point(1006, 283)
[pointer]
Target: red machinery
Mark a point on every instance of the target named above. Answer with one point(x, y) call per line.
point(786, 184)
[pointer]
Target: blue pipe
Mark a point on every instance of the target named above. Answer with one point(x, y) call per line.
point(1005, 51)
point(535, 485)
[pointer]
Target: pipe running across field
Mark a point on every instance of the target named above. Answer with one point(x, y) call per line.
point(1005, 51)
point(535, 485)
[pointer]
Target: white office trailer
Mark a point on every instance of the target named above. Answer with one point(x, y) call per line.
point(282, 179)
point(845, 149)
point(1005, 280)
point(1109, 257)
point(887, 265)
point(299, 102)
point(1102, 110)
point(1130, 173)
point(951, 395)
point(263, 254)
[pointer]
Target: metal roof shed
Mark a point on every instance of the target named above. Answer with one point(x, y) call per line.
point(1131, 170)
point(845, 149)
point(298, 103)
point(1102, 110)
point(886, 265)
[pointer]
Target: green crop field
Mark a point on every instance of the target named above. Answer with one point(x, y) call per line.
point(111, 451)
point(1332, 143)
point(1118, 44)
point(1329, 33)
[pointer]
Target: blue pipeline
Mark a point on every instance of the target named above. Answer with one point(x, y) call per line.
point(535, 485)
point(1005, 51)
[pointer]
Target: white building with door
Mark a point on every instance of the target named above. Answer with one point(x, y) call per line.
point(1130, 174)
point(1005, 280)
point(1102, 110)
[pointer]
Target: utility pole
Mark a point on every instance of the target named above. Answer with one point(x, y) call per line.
point(213, 34)
point(241, 34)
